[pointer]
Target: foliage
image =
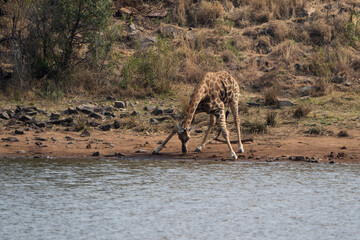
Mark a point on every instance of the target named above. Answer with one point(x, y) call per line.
point(152, 69)
point(352, 31)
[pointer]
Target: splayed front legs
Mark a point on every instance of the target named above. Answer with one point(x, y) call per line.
point(173, 132)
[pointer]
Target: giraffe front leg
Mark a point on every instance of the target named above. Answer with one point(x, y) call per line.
point(159, 148)
point(225, 132)
point(205, 140)
point(234, 109)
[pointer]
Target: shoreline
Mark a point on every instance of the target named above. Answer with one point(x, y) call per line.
point(131, 145)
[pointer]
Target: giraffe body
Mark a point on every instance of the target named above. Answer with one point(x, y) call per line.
point(211, 95)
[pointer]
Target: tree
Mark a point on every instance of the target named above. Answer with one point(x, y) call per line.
point(70, 31)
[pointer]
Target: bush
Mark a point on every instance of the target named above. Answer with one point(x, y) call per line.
point(302, 111)
point(271, 119)
point(153, 69)
point(207, 12)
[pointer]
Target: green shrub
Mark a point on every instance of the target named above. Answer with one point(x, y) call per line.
point(152, 69)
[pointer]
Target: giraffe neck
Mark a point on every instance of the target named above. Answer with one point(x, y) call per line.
point(195, 100)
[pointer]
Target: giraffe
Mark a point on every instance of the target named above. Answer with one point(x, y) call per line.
point(213, 92)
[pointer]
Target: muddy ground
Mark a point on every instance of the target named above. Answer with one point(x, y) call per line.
point(129, 144)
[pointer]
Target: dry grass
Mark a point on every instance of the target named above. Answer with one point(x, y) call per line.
point(271, 118)
point(206, 13)
point(302, 111)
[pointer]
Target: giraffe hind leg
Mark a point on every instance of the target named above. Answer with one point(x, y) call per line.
point(234, 108)
point(225, 132)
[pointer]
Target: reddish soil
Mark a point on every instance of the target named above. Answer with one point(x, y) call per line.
point(263, 148)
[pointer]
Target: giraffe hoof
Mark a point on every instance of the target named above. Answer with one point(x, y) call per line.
point(241, 149)
point(234, 156)
point(198, 149)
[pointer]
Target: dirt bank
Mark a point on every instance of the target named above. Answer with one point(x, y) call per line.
point(274, 147)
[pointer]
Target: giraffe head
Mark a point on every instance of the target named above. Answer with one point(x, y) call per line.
point(184, 136)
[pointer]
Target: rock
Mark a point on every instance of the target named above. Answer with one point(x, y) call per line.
point(95, 154)
point(31, 113)
point(40, 139)
point(88, 146)
point(141, 151)
point(106, 127)
point(162, 119)
point(306, 90)
point(19, 132)
point(66, 121)
point(85, 133)
point(149, 108)
point(109, 109)
point(96, 115)
point(4, 115)
point(110, 98)
point(331, 161)
point(10, 139)
point(53, 139)
point(169, 111)
point(343, 134)
point(87, 109)
point(21, 151)
point(299, 158)
point(157, 111)
point(54, 116)
point(71, 110)
point(341, 155)
point(343, 147)
point(68, 138)
point(283, 102)
point(134, 113)
point(116, 124)
point(40, 124)
point(25, 118)
point(154, 121)
point(120, 104)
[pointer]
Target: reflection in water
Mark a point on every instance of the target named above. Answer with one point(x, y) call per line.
point(119, 199)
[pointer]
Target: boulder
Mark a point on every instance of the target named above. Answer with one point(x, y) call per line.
point(106, 127)
point(120, 104)
point(283, 102)
point(4, 115)
point(54, 116)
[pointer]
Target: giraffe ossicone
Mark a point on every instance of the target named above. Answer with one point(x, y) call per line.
point(215, 91)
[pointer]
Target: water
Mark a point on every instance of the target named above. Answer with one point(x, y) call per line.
point(140, 199)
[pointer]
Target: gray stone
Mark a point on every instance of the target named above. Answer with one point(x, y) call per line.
point(10, 139)
point(299, 158)
point(54, 116)
point(40, 124)
point(40, 139)
point(106, 127)
point(306, 90)
point(120, 104)
point(162, 119)
point(87, 109)
point(141, 151)
point(25, 118)
point(4, 115)
point(71, 110)
point(85, 133)
point(134, 113)
point(95, 154)
point(19, 132)
point(96, 115)
point(21, 151)
point(149, 108)
point(283, 102)
point(116, 124)
point(157, 111)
